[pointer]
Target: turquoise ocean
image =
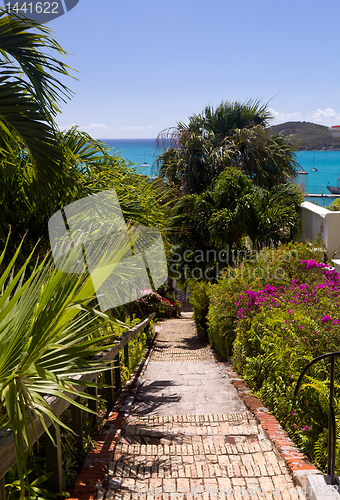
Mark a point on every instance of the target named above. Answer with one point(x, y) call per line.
point(327, 163)
point(137, 151)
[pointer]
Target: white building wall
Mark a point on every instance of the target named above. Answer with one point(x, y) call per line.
point(319, 221)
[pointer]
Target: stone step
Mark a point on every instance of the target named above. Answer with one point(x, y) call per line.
point(233, 423)
point(260, 464)
point(178, 457)
point(211, 419)
point(168, 354)
point(159, 430)
point(202, 434)
point(202, 445)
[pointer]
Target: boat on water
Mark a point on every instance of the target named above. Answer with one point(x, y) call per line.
point(314, 169)
point(334, 189)
point(144, 165)
point(302, 172)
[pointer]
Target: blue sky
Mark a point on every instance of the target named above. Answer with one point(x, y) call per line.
point(145, 65)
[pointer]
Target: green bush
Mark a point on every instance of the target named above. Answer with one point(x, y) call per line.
point(199, 300)
point(222, 311)
point(334, 206)
point(162, 302)
point(137, 347)
point(270, 266)
point(282, 325)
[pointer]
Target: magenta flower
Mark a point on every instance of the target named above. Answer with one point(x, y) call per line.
point(325, 319)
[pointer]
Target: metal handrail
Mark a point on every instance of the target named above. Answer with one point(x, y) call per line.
point(233, 319)
point(331, 416)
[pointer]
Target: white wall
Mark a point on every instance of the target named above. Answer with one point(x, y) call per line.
point(318, 221)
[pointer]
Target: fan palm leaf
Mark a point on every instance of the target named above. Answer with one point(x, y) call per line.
point(46, 338)
point(232, 135)
point(30, 91)
point(26, 55)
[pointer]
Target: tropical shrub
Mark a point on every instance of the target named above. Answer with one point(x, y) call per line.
point(163, 303)
point(35, 476)
point(280, 326)
point(47, 326)
point(199, 300)
point(275, 266)
point(89, 167)
point(334, 206)
point(207, 228)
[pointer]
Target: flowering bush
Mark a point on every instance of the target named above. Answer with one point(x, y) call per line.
point(279, 331)
point(277, 267)
point(165, 306)
point(274, 328)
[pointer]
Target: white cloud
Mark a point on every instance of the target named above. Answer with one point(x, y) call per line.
point(327, 117)
point(96, 126)
point(284, 117)
point(88, 128)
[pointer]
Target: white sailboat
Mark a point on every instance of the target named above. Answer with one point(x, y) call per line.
point(313, 169)
point(145, 165)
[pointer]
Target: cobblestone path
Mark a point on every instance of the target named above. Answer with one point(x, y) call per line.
point(189, 436)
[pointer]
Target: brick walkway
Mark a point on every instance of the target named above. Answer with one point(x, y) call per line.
point(189, 435)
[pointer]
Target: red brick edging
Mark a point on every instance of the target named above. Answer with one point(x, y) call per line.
point(295, 460)
point(91, 475)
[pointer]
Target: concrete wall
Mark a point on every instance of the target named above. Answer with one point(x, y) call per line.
point(318, 221)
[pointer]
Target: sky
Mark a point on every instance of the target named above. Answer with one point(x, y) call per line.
point(143, 66)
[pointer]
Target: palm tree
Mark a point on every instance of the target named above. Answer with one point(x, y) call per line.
point(209, 224)
point(30, 93)
point(266, 160)
point(48, 327)
point(217, 221)
point(272, 217)
point(89, 166)
point(233, 134)
point(229, 116)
